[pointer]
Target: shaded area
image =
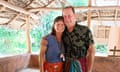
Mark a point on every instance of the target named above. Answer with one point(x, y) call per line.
point(107, 64)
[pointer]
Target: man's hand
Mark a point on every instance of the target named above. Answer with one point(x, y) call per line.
point(44, 42)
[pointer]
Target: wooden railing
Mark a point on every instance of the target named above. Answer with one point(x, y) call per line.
point(14, 63)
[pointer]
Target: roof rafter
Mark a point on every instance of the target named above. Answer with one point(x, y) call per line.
point(49, 2)
point(13, 19)
point(17, 15)
point(16, 8)
point(2, 8)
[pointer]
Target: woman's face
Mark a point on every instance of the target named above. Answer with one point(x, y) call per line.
point(59, 26)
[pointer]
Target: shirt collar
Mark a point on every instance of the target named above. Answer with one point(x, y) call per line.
point(75, 28)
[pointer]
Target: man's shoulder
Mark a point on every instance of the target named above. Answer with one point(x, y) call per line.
point(81, 26)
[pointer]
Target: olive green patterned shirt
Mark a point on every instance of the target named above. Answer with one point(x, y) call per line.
point(77, 42)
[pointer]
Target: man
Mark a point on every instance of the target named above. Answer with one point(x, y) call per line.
point(78, 41)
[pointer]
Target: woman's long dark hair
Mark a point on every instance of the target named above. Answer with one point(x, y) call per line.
point(58, 18)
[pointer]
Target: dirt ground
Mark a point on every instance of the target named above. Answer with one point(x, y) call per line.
point(107, 64)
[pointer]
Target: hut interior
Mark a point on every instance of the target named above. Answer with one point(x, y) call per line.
point(24, 22)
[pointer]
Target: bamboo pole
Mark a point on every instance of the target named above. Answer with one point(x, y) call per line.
point(28, 41)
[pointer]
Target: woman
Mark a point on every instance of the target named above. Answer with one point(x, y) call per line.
point(52, 49)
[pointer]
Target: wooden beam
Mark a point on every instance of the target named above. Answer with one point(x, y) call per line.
point(76, 8)
point(49, 2)
point(28, 30)
point(28, 34)
point(4, 24)
point(15, 17)
point(98, 13)
point(22, 25)
point(5, 17)
point(13, 7)
point(29, 3)
point(42, 2)
point(116, 12)
point(115, 50)
point(2, 8)
point(16, 8)
point(113, 56)
point(7, 0)
point(106, 19)
point(116, 15)
point(99, 17)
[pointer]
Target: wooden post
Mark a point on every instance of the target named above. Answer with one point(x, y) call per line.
point(28, 41)
point(114, 51)
point(89, 14)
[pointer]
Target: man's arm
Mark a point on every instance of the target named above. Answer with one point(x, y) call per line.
point(90, 58)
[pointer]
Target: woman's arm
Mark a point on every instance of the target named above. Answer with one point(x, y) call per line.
point(42, 54)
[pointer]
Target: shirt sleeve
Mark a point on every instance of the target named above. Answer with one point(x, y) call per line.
point(90, 37)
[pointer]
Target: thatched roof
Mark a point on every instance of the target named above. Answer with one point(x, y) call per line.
point(14, 13)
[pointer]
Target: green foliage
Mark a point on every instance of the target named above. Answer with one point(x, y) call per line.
point(101, 48)
point(79, 2)
point(11, 41)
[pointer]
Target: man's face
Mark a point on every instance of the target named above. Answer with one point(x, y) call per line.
point(69, 17)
